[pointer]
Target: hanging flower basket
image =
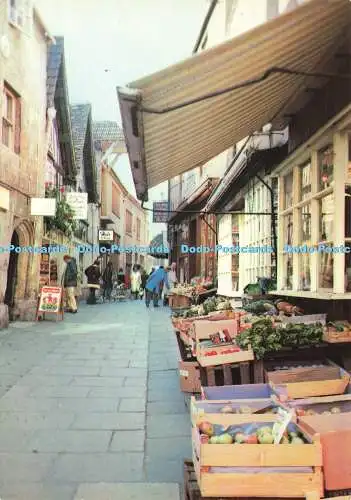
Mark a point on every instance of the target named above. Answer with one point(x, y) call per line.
point(63, 220)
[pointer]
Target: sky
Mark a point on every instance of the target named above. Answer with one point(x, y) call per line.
point(109, 43)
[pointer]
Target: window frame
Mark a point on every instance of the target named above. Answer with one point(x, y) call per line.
point(115, 200)
point(14, 124)
point(129, 222)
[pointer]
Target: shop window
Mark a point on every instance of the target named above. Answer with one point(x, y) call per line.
point(288, 190)
point(288, 272)
point(305, 224)
point(235, 257)
point(326, 274)
point(11, 120)
point(305, 187)
point(288, 230)
point(326, 167)
point(326, 211)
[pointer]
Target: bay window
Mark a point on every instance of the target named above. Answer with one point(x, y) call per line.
point(315, 212)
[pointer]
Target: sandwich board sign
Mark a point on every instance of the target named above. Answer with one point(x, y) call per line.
point(50, 302)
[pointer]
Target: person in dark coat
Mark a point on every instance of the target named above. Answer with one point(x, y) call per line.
point(107, 278)
point(93, 275)
point(70, 283)
point(121, 277)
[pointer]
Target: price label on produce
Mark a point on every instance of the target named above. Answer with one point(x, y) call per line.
point(280, 427)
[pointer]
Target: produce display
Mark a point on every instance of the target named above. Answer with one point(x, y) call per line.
point(264, 336)
point(212, 304)
point(249, 434)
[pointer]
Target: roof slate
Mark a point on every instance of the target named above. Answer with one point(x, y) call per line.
point(107, 131)
point(54, 61)
point(79, 118)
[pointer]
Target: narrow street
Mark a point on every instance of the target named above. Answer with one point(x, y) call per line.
point(91, 408)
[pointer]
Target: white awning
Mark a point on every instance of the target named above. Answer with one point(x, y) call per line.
point(162, 144)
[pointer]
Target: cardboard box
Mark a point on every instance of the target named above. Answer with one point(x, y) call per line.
point(189, 376)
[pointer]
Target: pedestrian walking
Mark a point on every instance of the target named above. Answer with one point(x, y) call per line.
point(93, 274)
point(107, 279)
point(70, 283)
point(153, 284)
point(135, 282)
point(144, 278)
point(121, 277)
point(172, 280)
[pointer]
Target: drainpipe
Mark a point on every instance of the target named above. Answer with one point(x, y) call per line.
point(274, 216)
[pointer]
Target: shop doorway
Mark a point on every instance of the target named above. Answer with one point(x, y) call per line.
point(12, 272)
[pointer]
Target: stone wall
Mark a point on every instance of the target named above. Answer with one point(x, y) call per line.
point(23, 68)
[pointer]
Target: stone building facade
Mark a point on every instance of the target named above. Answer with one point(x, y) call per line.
point(23, 59)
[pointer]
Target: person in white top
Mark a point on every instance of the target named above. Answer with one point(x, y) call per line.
point(136, 282)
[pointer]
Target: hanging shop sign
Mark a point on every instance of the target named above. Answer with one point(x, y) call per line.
point(50, 301)
point(160, 211)
point(45, 207)
point(105, 235)
point(79, 204)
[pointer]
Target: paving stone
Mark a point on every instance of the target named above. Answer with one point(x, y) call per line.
point(164, 470)
point(135, 382)
point(87, 405)
point(124, 441)
point(31, 421)
point(18, 467)
point(66, 441)
point(125, 491)
point(117, 392)
point(48, 380)
point(75, 370)
point(125, 372)
point(37, 491)
point(132, 405)
point(98, 467)
point(167, 408)
point(167, 426)
point(60, 392)
point(27, 404)
point(158, 395)
point(134, 363)
point(178, 448)
point(98, 381)
point(110, 421)
point(15, 441)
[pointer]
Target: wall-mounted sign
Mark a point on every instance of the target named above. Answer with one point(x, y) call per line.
point(79, 204)
point(43, 207)
point(105, 235)
point(160, 211)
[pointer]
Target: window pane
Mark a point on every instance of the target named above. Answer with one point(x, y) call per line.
point(288, 272)
point(326, 167)
point(288, 190)
point(326, 275)
point(305, 187)
point(348, 271)
point(305, 279)
point(288, 230)
point(305, 223)
point(326, 211)
point(6, 129)
point(9, 108)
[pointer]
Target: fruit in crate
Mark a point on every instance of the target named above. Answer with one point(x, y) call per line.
point(206, 428)
point(245, 410)
point(226, 409)
point(225, 439)
point(335, 410)
point(297, 440)
point(240, 438)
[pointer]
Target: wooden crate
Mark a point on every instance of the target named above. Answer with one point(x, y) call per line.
point(179, 301)
point(189, 377)
point(308, 382)
point(222, 375)
point(307, 319)
point(282, 471)
point(210, 411)
point(245, 392)
point(333, 337)
point(320, 405)
point(335, 435)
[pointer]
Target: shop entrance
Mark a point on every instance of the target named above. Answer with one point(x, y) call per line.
point(12, 272)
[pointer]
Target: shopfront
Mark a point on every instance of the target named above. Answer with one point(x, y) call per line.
point(315, 214)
